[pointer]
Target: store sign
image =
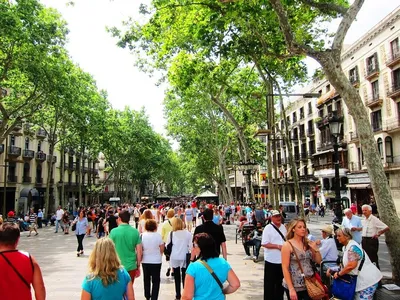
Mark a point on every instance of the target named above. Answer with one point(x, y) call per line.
point(358, 178)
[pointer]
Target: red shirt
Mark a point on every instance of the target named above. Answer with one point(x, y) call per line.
point(11, 285)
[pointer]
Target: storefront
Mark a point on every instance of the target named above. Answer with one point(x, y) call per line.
point(360, 189)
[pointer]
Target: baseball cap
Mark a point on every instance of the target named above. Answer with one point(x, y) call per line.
point(275, 213)
point(11, 214)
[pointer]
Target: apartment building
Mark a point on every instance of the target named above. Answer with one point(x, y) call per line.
point(373, 66)
point(24, 161)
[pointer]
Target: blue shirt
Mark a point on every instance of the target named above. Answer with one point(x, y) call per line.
point(113, 291)
point(353, 222)
point(81, 226)
point(216, 219)
point(205, 286)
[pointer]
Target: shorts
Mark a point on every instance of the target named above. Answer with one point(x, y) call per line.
point(32, 226)
point(133, 273)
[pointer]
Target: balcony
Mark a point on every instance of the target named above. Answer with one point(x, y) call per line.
point(308, 178)
point(12, 178)
point(28, 154)
point(14, 151)
point(297, 157)
point(393, 59)
point(324, 146)
point(328, 166)
point(17, 126)
point(39, 181)
point(374, 100)
point(26, 179)
point(372, 72)
point(302, 135)
point(394, 91)
point(52, 158)
point(392, 162)
point(304, 155)
point(41, 133)
point(72, 166)
point(393, 125)
point(355, 81)
point(1, 148)
point(353, 137)
point(40, 156)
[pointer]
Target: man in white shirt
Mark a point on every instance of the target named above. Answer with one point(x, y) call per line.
point(59, 215)
point(272, 240)
point(372, 228)
point(353, 223)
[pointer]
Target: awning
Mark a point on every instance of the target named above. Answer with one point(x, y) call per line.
point(325, 97)
point(361, 186)
point(25, 192)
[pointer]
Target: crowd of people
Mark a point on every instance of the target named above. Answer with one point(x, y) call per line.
point(192, 239)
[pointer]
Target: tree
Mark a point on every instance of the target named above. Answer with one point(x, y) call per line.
point(31, 40)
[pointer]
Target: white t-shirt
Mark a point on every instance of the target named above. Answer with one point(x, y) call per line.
point(270, 235)
point(59, 214)
point(151, 242)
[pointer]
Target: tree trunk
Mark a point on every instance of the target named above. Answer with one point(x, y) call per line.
point(376, 172)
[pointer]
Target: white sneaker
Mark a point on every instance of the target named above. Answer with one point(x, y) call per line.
point(247, 257)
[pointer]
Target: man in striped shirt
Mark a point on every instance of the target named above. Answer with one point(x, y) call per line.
point(33, 222)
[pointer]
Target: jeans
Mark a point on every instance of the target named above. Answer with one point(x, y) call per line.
point(58, 223)
point(80, 242)
point(273, 275)
point(178, 277)
point(255, 243)
point(151, 272)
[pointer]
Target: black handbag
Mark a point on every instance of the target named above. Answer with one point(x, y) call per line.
point(73, 228)
point(168, 249)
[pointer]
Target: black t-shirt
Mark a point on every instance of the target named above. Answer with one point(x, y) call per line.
point(112, 222)
point(216, 231)
point(142, 209)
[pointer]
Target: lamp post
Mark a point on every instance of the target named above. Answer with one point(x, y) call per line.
point(335, 125)
point(248, 168)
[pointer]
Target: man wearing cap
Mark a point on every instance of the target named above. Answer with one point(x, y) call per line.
point(11, 217)
point(353, 223)
point(372, 229)
point(328, 249)
point(272, 240)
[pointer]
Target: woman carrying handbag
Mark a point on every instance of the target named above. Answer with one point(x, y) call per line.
point(298, 253)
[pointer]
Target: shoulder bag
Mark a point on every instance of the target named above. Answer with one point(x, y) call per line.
point(315, 289)
point(213, 275)
point(280, 233)
point(344, 287)
point(16, 271)
point(73, 228)
point(168, 249)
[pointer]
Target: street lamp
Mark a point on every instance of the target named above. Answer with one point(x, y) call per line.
point(335, 125)
point(248, 168)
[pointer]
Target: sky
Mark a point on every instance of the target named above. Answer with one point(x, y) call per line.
point(91, 47)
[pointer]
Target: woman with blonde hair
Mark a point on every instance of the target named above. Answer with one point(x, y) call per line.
point(181, 245)
point(107, 279)
point(296, 251)
point(147, 215)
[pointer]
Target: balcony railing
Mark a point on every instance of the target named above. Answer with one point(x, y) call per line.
point(355, 80)
point(372, 71)
point(374, 100)
point(318, 167)
point(71, 166)
point(12, 178)
point(376, 126)
point(356, 167)
point(40, 156)
point(39, 181)
point(393, 125)
point(302, 134)
point(324, 145)
point(304, 155)
point(28, 154)
point(14, 151)
point(41, 133)
point(307, 178)
point(393, 59)
point(310, 132)
point(85, 169)
point(394, 91)
point(26, 179)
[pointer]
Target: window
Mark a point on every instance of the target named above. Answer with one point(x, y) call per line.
point(302, 131)
point(12, 166)
point(310, 127)
point(294, 117)
point(301, 113)
point(396, 79)
point(309, 108)
point(394, 48)
point(282, 124)
point(311, 147)
point(39, 146)
point(12, 140)
point(376, 120)
point(328, 88)
point(39, 174)
point(380, 147)
point(329, 109)
point(26, 143)
point(372, 64)
point(375, 90)
point(389, 149)
point(353, 75)
point(288, 120)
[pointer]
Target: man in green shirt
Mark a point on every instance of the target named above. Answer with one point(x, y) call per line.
point(128, 245)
